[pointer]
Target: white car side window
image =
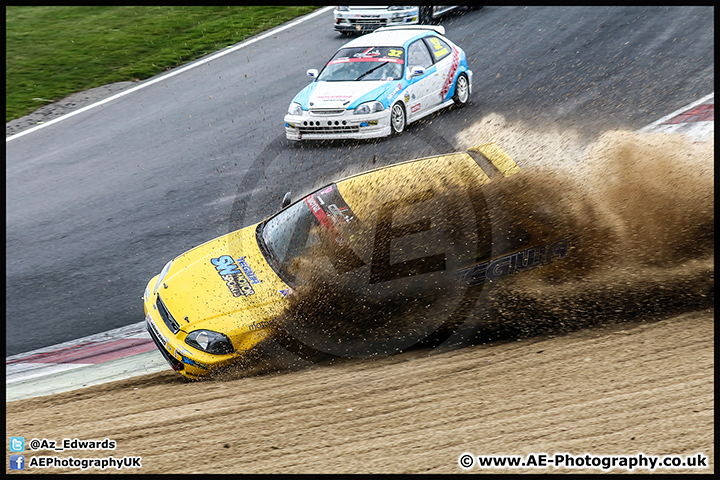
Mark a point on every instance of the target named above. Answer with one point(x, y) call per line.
point(418, 55)
point(438, 47)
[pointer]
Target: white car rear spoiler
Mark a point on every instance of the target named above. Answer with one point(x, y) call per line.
point(437, 28)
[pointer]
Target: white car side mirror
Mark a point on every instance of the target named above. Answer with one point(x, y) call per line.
point(415, 71)
point(312, 73)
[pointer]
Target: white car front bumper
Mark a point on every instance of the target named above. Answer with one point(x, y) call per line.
point(364, 20)
point(331, 126)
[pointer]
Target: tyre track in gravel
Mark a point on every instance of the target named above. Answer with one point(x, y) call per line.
point(612, 389)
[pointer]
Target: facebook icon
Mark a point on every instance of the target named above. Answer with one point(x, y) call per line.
point(17, 462)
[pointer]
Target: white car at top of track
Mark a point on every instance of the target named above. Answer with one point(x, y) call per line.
point(350, 19)
point(378, 83)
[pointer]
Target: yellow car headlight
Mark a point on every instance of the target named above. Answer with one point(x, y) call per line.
point(210, 342)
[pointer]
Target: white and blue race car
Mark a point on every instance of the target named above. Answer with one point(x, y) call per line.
point(378, 83)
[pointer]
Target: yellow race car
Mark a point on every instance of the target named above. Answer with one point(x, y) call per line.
point(396, 238)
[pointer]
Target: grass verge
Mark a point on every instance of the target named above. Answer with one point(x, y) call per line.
point(53, 52)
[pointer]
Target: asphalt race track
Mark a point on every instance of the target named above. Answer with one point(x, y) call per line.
point(98, 202)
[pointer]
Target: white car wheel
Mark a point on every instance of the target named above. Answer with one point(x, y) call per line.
point(462, 90)
point(397, 118)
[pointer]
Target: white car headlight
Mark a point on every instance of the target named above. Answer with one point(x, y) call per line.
point(295, 109)
point(369, 107)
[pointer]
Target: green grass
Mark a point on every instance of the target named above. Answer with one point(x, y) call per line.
point(53, 52)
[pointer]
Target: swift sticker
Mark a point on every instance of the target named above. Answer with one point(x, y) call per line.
point(233, 276)
point(184, 356)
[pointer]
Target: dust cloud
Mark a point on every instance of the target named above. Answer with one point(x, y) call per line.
point(639, 209)
point(636, 211)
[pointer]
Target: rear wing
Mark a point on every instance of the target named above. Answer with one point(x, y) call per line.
point(492, 155)
point(436, 28)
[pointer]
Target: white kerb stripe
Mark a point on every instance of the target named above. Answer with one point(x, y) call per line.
point(677, 112)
